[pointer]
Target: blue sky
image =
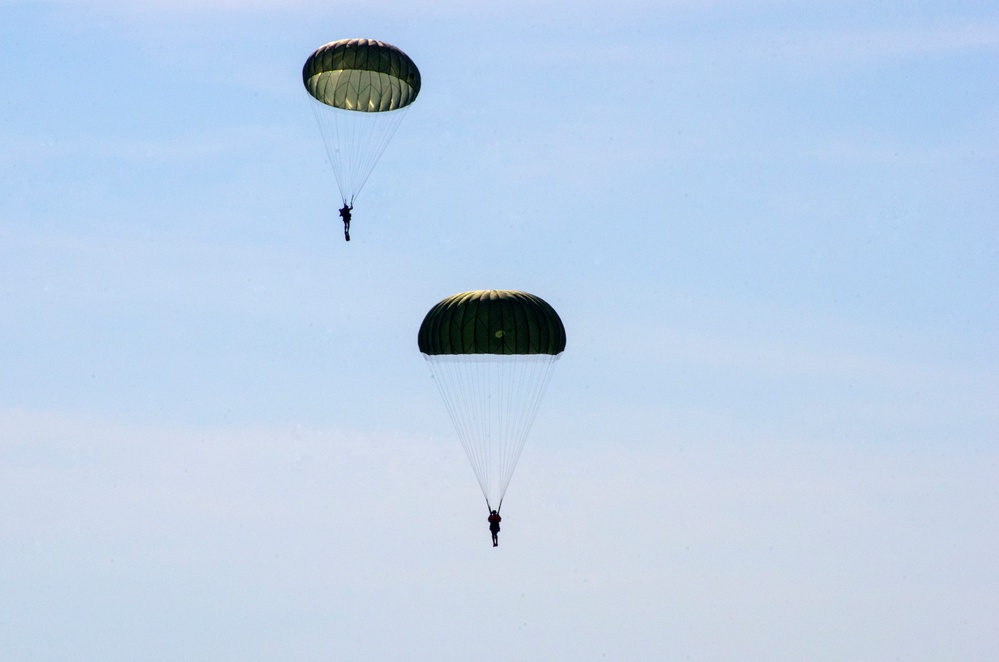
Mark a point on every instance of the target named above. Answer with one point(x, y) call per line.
point(770, 229)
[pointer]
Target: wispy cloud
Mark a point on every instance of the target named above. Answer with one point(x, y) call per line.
point(759, 539)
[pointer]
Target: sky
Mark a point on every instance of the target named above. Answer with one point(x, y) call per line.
point(770, 228)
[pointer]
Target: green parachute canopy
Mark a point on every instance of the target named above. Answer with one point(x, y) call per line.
point(491, 353)
point(359, 89)
point(361, 74)
point(492, 322)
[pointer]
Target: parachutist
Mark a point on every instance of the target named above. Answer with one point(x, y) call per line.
point(345, 215)
point(358, 86)
point(494, 520)
point(491, 353)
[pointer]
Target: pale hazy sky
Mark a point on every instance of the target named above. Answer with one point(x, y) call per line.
point(771, 230)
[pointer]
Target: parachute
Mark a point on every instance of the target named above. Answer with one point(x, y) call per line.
point(361, 90)
point(491, 353)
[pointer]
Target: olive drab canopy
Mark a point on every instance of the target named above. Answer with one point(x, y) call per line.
point(361, 74)
point(361, 90)
point(492, 322)
point(491, 353)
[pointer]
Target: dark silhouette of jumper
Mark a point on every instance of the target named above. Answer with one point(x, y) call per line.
point(494, 521)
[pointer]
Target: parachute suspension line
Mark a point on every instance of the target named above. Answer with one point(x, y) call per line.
point(355, 141)
point(366, 136)
point(542, 377)
point(492, 401)
point(331, 141)
point(452, 383)
point(528, 386)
